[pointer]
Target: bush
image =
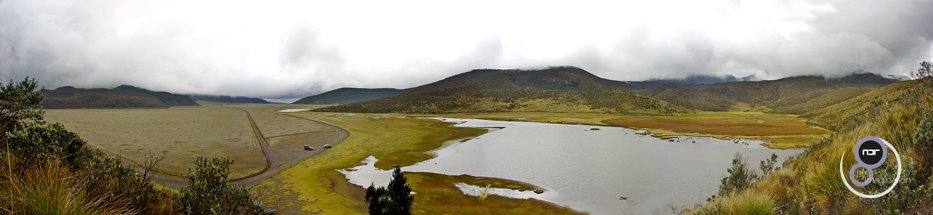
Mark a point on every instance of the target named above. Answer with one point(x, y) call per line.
point(739, 178)
point(36, 143)
point(111, 177)
point(208, 192)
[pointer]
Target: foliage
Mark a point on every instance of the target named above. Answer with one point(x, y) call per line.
point(36, 143)
point(924, 72)
point(394, 199)
point(923, 145)
point(19, 104)
point(208, 192)
point(767, 166)
point(739, 176)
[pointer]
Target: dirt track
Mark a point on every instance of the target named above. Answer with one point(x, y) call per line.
point(272, 158)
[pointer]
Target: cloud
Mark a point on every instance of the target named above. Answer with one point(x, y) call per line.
point(287, 49)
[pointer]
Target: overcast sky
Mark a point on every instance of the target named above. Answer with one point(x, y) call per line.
point(288, 49)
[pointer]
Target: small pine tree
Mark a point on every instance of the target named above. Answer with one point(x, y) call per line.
point(400, 192)
point(394, 199)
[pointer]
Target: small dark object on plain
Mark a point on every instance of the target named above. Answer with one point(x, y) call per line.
point(327, 146)
point(308, 148)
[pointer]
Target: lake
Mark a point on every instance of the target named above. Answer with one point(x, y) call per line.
point(607, 170)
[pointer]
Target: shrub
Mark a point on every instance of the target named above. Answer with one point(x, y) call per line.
point(36, 143)
point(208, 192)
point(767, 165)
point(111, 177)
point(739, 178)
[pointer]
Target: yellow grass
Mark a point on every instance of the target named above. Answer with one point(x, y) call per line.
point(723, 123)
point(777, 130)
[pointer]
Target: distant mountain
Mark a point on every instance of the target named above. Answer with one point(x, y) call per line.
point(228, 99)
point(123, 96)
point(652, 86)
point(349, 95)
point(787, 95)
point(556, 89)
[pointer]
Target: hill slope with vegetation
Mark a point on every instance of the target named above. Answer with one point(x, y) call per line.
point(228, 99)
point(123, 96)
point(788, 95)
point(349, 95)
point(811, 184)
point(556, 89)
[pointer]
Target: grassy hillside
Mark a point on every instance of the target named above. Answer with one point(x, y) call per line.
point(899, 113)
point(349, 95)
point(653, 86)
point(228, 99)
point(853, 111)
point(556, 89)
point(124, 96)
point(788, 95)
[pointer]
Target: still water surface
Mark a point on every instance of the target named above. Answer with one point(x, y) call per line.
point(606, 171)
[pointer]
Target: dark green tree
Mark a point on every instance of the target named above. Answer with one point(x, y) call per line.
point(19, 104)
point(378, 200)
point(394, 199)
point(400, 192)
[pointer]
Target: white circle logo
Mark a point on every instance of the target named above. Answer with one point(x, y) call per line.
point(869, 154)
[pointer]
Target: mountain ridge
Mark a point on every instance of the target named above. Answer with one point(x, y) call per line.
point(564, 88)
point(123, 96)
point(346, 95)
point(786, 95)
point(228, 99)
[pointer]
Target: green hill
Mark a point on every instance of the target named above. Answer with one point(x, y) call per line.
point(787, 95)
point(123, 96)
point(556, 89)
point(853, 111)
point(349, 95)
point(810, 183)
point(229, 99)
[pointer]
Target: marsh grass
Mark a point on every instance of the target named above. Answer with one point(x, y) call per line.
point(779, 131)
point(748, 204)
point(54, 189)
